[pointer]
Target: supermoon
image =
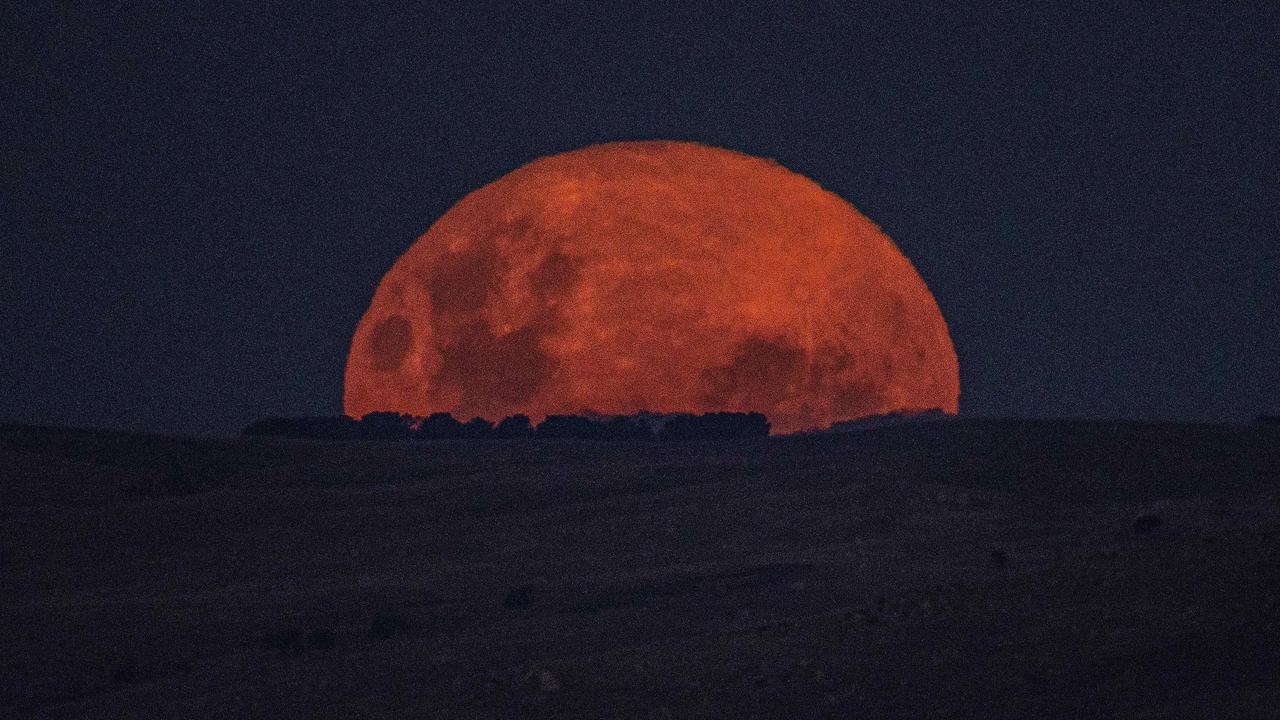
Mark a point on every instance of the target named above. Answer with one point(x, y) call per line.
point(661, 276)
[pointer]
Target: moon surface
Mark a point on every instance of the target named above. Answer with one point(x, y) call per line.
point(662, 276)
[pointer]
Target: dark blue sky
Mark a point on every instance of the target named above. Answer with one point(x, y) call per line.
point(199, 200)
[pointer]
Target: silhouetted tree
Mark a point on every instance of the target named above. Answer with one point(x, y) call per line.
point(386, 426)
point(440, 426)
point(676, 426)
point(443, 426)
point(556, 427)
point(477, 428)
point(620, 427)
point(514, 426)
point(714, 426)
point(625, 427)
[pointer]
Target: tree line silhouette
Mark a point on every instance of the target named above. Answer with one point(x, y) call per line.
point(443, 426)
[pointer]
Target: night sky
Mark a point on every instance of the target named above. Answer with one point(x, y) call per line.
point(198, 200)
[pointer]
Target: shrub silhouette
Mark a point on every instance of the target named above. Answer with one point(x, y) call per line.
point(386, 426)
point(557, 427)
point(621, 427)
point(443, 426)
point(477, 428)
point(714, 426)
point(625, 428)
point(440, 426)
point(514, 426)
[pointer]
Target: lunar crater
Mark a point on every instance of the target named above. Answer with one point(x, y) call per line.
point(555, 277)
point(763, 372)
point(463, 281)
point(390, 343)
point(489, 372)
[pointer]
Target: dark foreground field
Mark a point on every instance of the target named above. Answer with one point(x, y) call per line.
point(965, 569)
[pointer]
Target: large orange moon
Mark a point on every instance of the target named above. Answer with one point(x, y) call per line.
point(662, 276)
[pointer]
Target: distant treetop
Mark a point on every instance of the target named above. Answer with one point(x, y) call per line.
point(443, 426)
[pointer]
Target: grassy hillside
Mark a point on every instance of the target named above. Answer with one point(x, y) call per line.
point(970, 569)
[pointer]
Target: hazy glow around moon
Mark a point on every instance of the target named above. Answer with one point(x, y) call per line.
point(664, 276)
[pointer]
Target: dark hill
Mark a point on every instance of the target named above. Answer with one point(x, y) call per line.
point(975, 568)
